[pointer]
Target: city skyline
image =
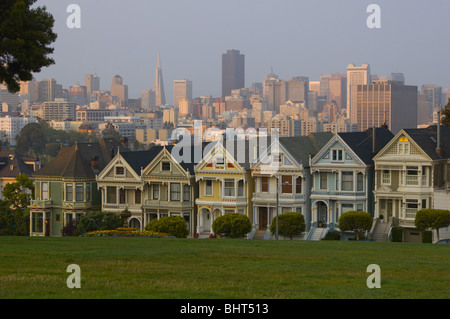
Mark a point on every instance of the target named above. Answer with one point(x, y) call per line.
point(195, 51)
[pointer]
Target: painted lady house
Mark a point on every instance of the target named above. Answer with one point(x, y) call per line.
point(342, 174)
point(149, 185)
point(412, 172)
point(66, 188)
point(283, 180)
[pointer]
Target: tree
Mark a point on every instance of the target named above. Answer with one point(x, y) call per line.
point(233, 225)
point(31, 138)
point(432, 219)
point(446, 114)
point(18, 195)
point(289, 224)
point(355, 221)
point(25, 36)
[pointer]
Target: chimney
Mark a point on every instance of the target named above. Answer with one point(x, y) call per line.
point(438, 129)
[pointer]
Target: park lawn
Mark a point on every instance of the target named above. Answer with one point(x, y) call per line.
point(35, 268)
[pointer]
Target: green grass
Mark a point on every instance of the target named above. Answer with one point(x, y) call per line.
point(219, 268)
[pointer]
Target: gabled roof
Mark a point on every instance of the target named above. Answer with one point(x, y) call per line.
point(301, 147)
point(426, 139)
point(75, 161)
point(13, 164)
point(361, 143)
point(140, 160)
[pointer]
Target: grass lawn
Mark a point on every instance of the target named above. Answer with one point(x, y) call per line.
point(219, 268)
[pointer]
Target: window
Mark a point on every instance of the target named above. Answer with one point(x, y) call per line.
point(79, 192)
point(44, 191)
point(37, 222)
point(69, 192)
point(412, 175)
point(424, 203)
point(58, 217)
point(155, 191)
point(403, 146)
point(88, 192)
point(298, 185)
point(386, 177)
point(323, 184)
point(286, 184)
point(229, 187)
point(347, 181)
point(186, 193)
point(137, 196)
point(412, 206)
point(208, 187)
point(111, 195)
point(175, 192)
point(264, 184)
point(360, 182)
point(359, 207)
point(347, 208)
point(241, 188)
point(120, 171)
point(122, 196)
point(165, 166)
point(337, 155)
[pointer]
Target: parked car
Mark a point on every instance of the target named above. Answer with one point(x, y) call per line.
point(443, 241)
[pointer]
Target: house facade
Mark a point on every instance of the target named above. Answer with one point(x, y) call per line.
point(342, 174)
point(409, 172)
point(283, 180)
point(149, 185)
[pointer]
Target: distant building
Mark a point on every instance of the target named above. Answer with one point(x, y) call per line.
point(182, 90)
point(119, 90)
point(356, 75)
point(10, 128)
point(49, 90)
point(433, 97)
point(233, 71)
point(148, 99)
point(59, 110)
point(78, 94)
point(92, 83)
point(160, 96)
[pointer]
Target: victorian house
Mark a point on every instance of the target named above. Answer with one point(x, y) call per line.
point(149, 185)
point(412, 172)
point(283, 180)
point(66, 188)
point(342, 177)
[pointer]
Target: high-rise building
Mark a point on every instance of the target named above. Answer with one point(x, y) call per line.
point(275, 92)
point(182, 90)
point(384, 102)
point(356, 75)
point(337, 90)
point(148, 99)
point(433, 97)
point(78, 95)
point(233, 71)
point(59, 110)
point(49, 90)
point(325, 85)
point(119, 90)
point(397, 77)
point(160, 95)
point(298, 88)
point(185, 107)
point(92, 83)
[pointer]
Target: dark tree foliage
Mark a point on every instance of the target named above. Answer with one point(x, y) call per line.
point(25, 36)
point(31, 137)
point(446, 114)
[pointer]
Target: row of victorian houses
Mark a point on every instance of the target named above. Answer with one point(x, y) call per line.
point(320, 176)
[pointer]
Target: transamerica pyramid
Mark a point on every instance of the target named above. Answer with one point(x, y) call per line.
point(160, 97)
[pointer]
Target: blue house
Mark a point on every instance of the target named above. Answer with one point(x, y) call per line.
point(343, 176)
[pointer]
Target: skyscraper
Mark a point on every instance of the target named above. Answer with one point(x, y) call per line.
point(160, 96)
point(92, 83)
point(356, 75)
point(182, 89)
point(119, 90)
point(433, 97)
point(233, 71)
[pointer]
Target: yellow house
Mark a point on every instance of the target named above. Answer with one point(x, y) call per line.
point(225, 186)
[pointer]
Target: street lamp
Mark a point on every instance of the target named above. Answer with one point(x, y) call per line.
point(278, 202)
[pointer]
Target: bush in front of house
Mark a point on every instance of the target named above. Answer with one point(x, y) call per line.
point(427, 219)
point(95, 221)
point(397, 234)
point(173, 225)
point(232, 225)
point(289, 225)
point(427, 237)
point(332, 235)
point(355, 221)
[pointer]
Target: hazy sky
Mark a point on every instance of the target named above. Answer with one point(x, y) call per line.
point(296, 37)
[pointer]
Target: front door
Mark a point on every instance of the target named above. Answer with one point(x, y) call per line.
point(263, 218)
point(47, 227)
point(321, 215)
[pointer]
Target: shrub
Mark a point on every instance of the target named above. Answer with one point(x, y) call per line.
point(355, 221)
point(174, 226)
point(289, 224)
point(233, 225)
point(432, 219)
point(332, 235)
point(397, 234)
point(427, 237)
point(69, 229)
point(93, 221)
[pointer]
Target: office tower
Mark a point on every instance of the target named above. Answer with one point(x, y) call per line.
point(286, 126)
point(59, 110)
point(78, 95)
point(147, 99)
point(49, 90)
point(256, 88)
point(275, 92)
point(356, 75)
point(337, 90)
point(119, 90)
point(314, 86)
point(185, 107)
point(397, 77)
point(325, 85)
point(384, 102)
point(298, 88)
point(170, 116)
point(9, 102)
point(92, 83)
point(422, 110)
point(219, 105)
point(182, 90)
point(233, 71)
point(433, 97)
point(160, 96)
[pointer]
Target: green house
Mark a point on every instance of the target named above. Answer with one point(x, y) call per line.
point(66, 188)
